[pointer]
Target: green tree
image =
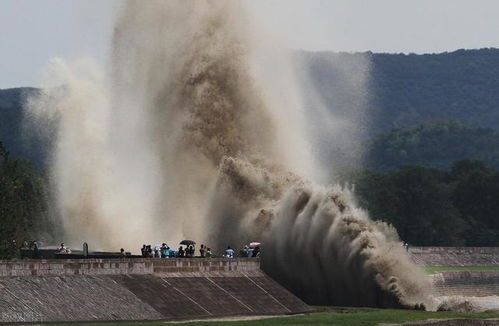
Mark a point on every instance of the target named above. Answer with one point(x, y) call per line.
point(425, 214)
point(476, 196)
point(24, 209)
point(416, 200)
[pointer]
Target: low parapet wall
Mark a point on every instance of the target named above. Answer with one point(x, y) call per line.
point(139, 289)
point(126, 266)
point(454, 256)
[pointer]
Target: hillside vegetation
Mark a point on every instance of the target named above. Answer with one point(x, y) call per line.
point(24, 204)
point(460, 85)
point(400, 90)
point(14, 134)
point(437, 145)
point(400, 99)
point(433, 207)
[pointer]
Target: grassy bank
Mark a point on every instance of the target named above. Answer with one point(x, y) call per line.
point(333, 316)
point(438, 269)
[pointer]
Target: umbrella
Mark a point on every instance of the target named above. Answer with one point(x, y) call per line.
point(187, 242)
point(254, 244)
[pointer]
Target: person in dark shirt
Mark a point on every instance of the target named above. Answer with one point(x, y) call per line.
point(202, 251)
point(180, 252)
point(190, 251)
point(256, 252)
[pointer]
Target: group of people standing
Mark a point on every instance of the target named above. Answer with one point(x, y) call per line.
point(164, 251)
point(250, 252)
point(189, 252)
point(247, 251)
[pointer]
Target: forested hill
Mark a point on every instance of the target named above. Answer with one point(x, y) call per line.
point(12, 132)
point(430, 109)
point(407, 89)
point(461, 85)
point(374, 93)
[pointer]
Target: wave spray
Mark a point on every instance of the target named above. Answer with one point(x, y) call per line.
point(195, 130)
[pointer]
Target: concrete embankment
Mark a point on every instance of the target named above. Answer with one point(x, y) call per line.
point(461, 283)
point(139, 289)
point(470, 284)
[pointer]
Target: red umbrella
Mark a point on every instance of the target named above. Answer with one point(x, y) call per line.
point(254, 244)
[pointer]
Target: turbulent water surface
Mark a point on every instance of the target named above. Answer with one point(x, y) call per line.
point(195, 130)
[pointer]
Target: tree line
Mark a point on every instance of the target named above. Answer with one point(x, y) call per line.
point(433, 207)
point(24, 204)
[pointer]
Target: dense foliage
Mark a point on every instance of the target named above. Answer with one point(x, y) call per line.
point(24, 211)
point(436, 145)
point(434, 207)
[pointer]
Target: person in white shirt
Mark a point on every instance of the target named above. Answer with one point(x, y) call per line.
point(64, 250)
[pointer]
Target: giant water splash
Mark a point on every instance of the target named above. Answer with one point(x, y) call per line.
point(188, 135)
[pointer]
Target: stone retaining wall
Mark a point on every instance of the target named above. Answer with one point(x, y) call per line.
point(454, 256)
point(473, 284)
point(463, 283)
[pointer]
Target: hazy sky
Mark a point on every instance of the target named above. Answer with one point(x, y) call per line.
point(33, 31)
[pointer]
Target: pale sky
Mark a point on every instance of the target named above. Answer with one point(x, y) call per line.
point(33, 31)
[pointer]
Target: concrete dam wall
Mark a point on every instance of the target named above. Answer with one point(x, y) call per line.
point(139, 289)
